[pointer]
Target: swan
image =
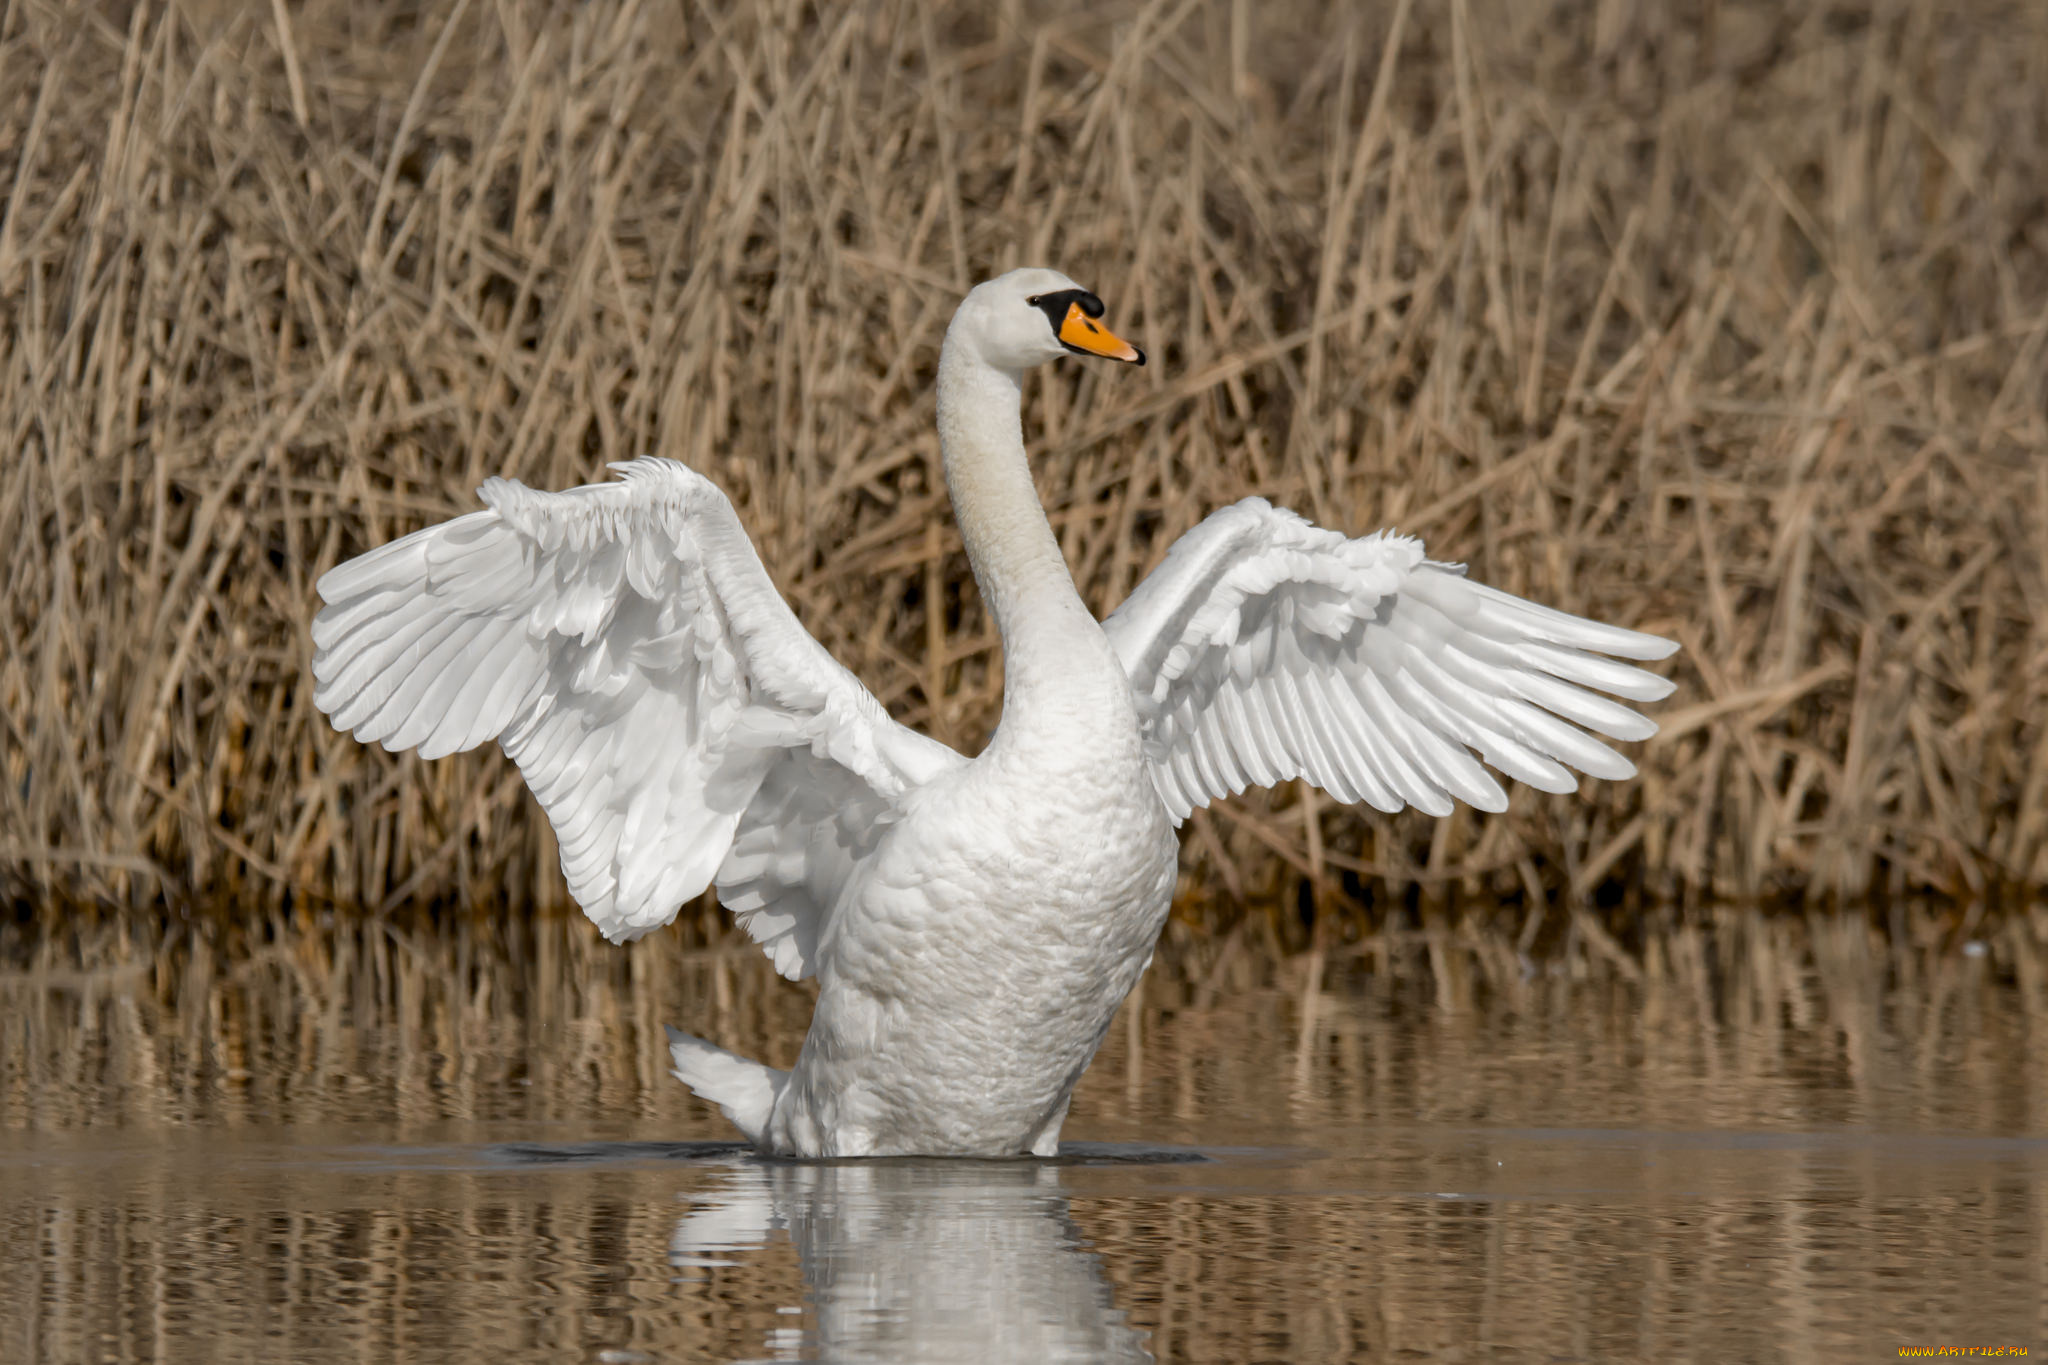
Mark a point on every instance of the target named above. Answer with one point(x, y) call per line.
point(973, 924)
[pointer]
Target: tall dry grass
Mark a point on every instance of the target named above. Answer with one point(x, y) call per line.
point(1725, 320)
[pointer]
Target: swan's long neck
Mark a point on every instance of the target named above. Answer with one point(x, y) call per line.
point(1053, 649)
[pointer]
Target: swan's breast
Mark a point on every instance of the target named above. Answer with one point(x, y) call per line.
point(1035, 877)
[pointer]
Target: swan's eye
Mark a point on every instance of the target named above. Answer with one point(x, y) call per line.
point(1054, 306)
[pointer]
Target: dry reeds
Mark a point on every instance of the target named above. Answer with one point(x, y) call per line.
point(1730, 323)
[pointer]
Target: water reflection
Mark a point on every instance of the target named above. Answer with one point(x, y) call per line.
point(1732, 1137)
point(917, 1261)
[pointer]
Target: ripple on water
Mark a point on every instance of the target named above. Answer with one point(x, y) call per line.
point(1787, 1157)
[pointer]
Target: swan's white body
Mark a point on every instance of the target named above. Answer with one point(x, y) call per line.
point(973, 925)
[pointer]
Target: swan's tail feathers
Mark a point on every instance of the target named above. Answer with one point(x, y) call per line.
point(744, 1090)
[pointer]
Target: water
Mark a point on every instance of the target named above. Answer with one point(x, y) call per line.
point(1754, 1140)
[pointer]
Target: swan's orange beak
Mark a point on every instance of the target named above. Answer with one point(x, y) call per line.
point(1079, 332)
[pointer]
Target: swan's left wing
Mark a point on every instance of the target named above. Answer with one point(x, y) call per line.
point(624, 645)
point(1265, 648)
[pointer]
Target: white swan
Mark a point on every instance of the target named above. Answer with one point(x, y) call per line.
point(973, 924)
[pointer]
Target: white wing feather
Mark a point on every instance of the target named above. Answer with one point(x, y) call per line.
point(624, 644)
point(1265, 648)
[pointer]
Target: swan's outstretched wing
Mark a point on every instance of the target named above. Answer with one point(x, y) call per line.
point(625, 646)
point(1266, 648)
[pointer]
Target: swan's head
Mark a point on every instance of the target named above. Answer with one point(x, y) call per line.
point(1030, 316)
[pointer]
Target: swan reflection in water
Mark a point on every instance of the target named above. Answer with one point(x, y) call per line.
point(919, 1260)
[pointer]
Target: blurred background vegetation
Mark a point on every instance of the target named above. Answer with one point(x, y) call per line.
point(1724, 320)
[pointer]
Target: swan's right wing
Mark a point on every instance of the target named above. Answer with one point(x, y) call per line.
point(1265, 648)
point(624, 645)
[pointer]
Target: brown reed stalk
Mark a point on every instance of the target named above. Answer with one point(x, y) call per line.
point(1728, 323)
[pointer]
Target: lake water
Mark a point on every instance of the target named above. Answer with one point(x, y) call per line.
point(1740, 1139)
